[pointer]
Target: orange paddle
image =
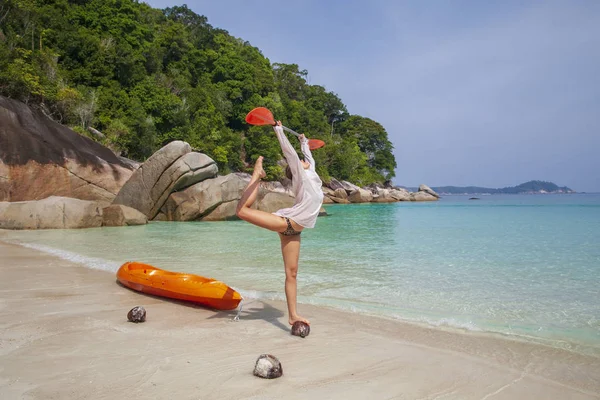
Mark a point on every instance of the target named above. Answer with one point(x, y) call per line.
point(263, 116)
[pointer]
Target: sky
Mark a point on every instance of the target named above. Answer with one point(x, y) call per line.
point(478, 93)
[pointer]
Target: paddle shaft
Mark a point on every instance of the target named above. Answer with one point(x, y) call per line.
point(272, 122)
point(285, 128)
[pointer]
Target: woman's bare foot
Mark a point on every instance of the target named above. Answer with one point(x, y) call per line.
point(259, 172)
point(298, 318)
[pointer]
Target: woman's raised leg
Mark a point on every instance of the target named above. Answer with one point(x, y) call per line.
point(290, 249)
point(256, 217)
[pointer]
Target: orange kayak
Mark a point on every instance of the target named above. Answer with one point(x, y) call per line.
point(175, 285)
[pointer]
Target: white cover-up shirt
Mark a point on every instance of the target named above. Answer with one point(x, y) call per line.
point(306, 184)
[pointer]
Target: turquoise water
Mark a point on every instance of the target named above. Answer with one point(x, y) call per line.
point(527, 266)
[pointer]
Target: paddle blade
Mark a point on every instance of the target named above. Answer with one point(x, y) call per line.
point(260, 116)
point(315, 144)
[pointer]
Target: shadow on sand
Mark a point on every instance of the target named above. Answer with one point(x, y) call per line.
point(267, 313)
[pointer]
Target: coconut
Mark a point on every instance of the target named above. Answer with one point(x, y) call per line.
point(137, 314)
point(268, 367)
point(301, 329)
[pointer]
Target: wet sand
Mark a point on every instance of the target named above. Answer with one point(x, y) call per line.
point(64, 335)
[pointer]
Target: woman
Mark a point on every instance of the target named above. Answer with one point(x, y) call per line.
point(288, 222)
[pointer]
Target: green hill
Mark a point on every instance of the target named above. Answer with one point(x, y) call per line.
point(527, 187)
point(143, 77)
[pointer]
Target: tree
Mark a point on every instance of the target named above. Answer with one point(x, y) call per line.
point(145, 77)
point(372, 140)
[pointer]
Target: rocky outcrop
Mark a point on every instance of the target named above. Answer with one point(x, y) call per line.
point(120, 215)
point(199, 200)
point(428, 190)
point(345, 192)
point(216, 199)
point(340, 193)
point(41, 158)
point(51, 213)
point(422, 196)
point(360, 196)
point(399, 194)
point(171, 168)
point(273, 201)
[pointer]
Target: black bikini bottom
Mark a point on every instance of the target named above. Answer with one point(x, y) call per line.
point(290, 231)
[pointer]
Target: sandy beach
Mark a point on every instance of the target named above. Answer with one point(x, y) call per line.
point(64, 335)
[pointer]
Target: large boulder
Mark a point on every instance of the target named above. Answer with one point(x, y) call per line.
point(41, 158)
point(327, 200)
point(360, 196)
point(120, 215)
point(199, 200)
point(327, 191)
point(340, 193)
point(273, 201)
point(339, 200)
point(171, 168)
point(422, 196)
point(399, 194)
point(223, 212)
point(51, 213)
point(349, 187)
point(335, 184)
point(384, 196)
point(216, 199)
point(428, 190)
point(374, 188)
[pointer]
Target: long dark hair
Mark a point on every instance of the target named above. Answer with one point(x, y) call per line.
point(288, 172)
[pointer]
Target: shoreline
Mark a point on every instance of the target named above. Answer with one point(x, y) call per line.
point(570, 345)
point(64, 333)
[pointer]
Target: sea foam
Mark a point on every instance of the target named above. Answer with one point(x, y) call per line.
point(90, 262)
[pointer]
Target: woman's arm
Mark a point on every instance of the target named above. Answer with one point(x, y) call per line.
point(288, 151)
point(306, 151)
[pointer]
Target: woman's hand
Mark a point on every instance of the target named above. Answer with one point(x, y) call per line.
point(278, 123)
point(302, 138)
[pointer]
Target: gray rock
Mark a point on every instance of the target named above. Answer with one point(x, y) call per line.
point(204, 198)
point(273, 201)
point(340, 201)
point(383, 196)
point(374, 188)
point(120, 215)
point(223, 212)
point(340, 193)
point(349, 187)
point(186, 171)
point(139, 191)
point(216, 199)
point(327, 200)
point(327, 191)
point(399, 194)
point(335, 184)
point(422, 196)
point(428, 190)
point(51, 213)
point(137, 314)
point(268, 367)
point(360, 196)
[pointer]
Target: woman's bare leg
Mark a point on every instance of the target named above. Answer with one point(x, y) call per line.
point(290, 249)
point(256, 217)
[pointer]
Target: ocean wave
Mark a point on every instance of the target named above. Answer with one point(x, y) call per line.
point(448, 322)
point(90, 262)
point(258, 295)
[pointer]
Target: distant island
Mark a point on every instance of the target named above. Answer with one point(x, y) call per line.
point(531, 187)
